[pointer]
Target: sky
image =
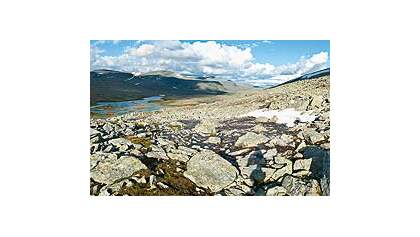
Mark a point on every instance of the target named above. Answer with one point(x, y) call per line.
point(257, 62)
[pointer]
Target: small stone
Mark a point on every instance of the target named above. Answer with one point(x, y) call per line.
point(298, 156)
point(326, 146)
point(109, 149)
point(152, 181)
point(162, 185)
point(141, 180)
point(124, 147)
point(176, 124)
point(214, 140)
point(197, 147)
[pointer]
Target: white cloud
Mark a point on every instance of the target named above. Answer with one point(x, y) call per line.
point(223, 61)
point(143, 50)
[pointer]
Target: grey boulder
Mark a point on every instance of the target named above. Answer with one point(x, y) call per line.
point(110, 169)
point(209, 170)
point(251, 139)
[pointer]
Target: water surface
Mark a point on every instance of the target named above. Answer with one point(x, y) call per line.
point(148, 104)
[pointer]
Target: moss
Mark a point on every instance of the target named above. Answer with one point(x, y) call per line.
point(177, 184)
point(140, 140)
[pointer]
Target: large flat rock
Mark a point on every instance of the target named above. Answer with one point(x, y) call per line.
point(209, 170)
point(110, 169)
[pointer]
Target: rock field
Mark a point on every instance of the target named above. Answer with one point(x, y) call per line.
point(213, 148)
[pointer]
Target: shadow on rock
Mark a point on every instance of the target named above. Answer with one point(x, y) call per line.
point(257, 161)
point(320, 166)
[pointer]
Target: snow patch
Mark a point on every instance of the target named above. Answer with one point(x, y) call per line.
point(286, 116)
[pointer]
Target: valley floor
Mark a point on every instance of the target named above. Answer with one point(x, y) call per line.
point(210, 146)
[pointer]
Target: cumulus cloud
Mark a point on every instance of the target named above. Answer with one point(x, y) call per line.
point(211, 58)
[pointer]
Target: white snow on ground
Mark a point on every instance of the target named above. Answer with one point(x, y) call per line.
point(286, 116)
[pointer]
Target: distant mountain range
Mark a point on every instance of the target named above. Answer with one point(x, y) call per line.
point(109, 85)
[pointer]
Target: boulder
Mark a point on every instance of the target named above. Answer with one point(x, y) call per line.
point(108, 128)
point(157, 152)
point(110, 169)
point(320, 166)
point(97, 157)
point(317, 101)
point(121, 143)
point(283, 140)
point(302, 164)
point(95, 136)
point(178, 156)
point(186, 150)
point(251, 139)
point(299, 187)
point(282, 167)
point(206, 127)
point(259, 128)
point(253, 158)
point(276, 191)
point(269, 155)
point(313, 136)
point(209, 170)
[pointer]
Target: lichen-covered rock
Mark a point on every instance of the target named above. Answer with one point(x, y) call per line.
point(214, 140)
point(313, 136)
point(208, 170)
point(276, 191)
point(300, 187)
point(302, 164)
point(207, 127)
point(251, 139)
point(120, 143)
point(178, 156)
point(95, 136)
point(110, 169)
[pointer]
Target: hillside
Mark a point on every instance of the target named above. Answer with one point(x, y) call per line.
point(107, 85)
point(258, 142)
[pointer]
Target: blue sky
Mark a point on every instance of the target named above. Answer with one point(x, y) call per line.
point(279, 52)
point(259, 62)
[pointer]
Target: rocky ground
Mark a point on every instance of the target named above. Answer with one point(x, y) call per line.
point(208, 146)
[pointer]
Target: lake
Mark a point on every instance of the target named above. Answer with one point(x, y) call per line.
point(148, 104)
